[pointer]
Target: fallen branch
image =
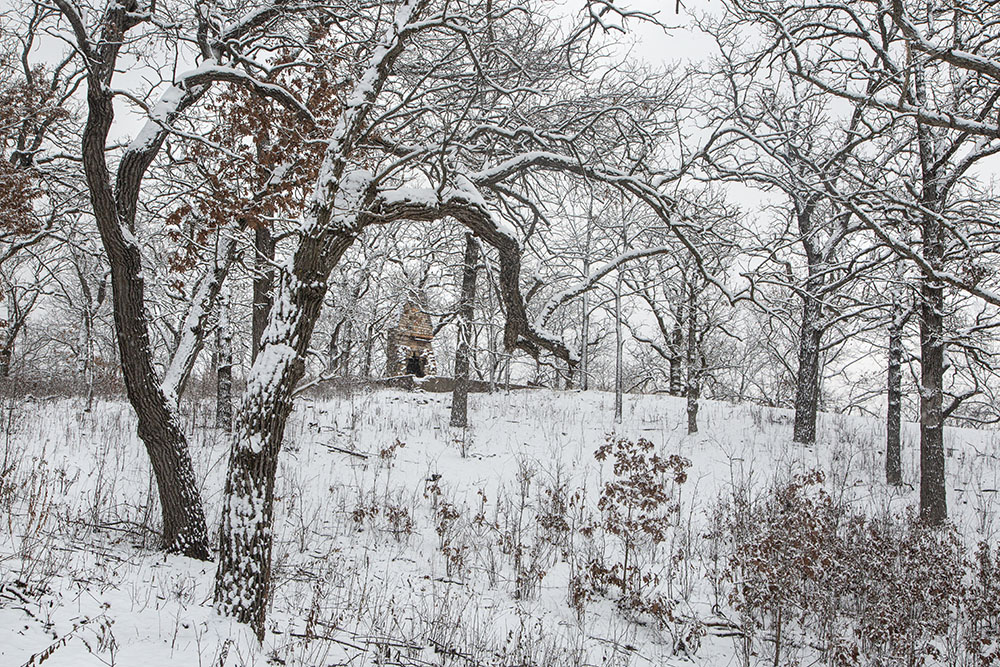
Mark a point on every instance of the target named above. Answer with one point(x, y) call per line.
point(349, 452)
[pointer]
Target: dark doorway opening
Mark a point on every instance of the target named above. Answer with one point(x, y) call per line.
point(413, 366)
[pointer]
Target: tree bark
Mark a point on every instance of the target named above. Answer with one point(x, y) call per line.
point(619, 376)
point(894, 385)
point(585, 344)
point(693, 362)
point(345, 199)
point(933, 501)
point(224, 369)
point(585, 326)
point(345, 356)
point(933, 497)
point(88, 352)
point(333, 349)
point(807, 379)
point(243, 578)
point(463, 351)
point(263, 284)
point(184, 527)
point(676, 347)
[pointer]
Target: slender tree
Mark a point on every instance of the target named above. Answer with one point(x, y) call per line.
point(463, 348)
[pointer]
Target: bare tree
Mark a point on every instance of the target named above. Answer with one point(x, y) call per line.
point(939, 92)
point(780, 133)
point(463, 349)
point(98, 38)
point(399, 155)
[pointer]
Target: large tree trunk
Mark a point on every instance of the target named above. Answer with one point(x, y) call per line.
point(243, 578)
point(933, 498)
point(894, 385)
point(463, 351)
point(807, 380)
point(344, 196)
point(6, 355)
point(224, 369)
point(184, 527)
point(933, 502)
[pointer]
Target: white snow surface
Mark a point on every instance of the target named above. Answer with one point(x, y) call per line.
point(79, 570)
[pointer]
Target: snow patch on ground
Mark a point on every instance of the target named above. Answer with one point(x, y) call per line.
point(81, 576)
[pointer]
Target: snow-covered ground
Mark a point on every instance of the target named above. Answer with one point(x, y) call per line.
point(410, 555)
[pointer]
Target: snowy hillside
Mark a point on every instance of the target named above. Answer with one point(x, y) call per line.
point(402, 542)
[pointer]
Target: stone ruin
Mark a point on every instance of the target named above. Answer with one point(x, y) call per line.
point(408, 346)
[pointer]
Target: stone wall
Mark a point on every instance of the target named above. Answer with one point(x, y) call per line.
point(408, 346)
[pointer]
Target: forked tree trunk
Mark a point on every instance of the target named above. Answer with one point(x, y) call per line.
point(894, 394)
point(807, 379)
point(463, 351)
point(184, 527)
point(243, 578)
point(224, 368)
point(345, 195)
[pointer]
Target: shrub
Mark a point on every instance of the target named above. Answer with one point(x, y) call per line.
point(982, 609)
point(635, 508)
point(849, 585)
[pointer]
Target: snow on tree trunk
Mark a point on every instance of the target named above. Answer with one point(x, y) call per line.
point(263, 284)
point(894, 383)
point(585, 342)
point(224, 368)
point(463, 351)
point(184, 527)
point(619, 377)
point(585, 326)
point(933, 501)
point(693, 363)
point(243, 578)
point(87, 351)
point(807, 379)
point(676, 345)
point(933, 497)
